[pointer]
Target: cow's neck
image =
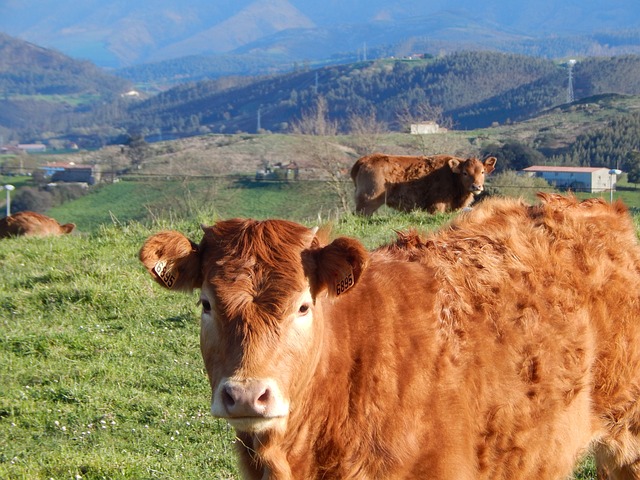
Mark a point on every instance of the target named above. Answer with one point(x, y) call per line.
point(462, 198)
point(262, 457)
point(323, 424)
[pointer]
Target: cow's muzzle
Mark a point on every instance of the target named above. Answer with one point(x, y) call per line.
point(248, 403)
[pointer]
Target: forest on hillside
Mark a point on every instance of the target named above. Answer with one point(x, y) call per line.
point(461, 90)
point(455, 86)
point(464, 90)
point(26, 69)
point(616, 145)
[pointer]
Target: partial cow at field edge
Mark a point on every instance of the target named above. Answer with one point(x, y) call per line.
point(32, 224)
point(504, 346)
point(438, 183)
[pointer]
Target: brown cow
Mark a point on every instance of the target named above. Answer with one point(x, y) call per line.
point(32, 224)
point(502, 347)
point(438, 183)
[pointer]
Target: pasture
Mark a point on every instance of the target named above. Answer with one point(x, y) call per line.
point(101, 370)
point(102, 375)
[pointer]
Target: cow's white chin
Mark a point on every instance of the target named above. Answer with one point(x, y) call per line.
point(257, 424)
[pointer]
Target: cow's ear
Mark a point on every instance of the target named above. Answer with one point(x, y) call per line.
point(454, 165)
point(336, 267)
point(489, 164)
point(67, 227)
point(172, 260)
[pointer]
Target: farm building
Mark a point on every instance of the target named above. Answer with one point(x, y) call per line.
point(69, 172)
point(582, 179)
point(32, 147)
point(279, 171)
point(426, 128)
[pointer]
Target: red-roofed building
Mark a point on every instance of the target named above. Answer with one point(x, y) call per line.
point(579, 179)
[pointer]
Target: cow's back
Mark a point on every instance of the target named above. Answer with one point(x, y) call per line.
point(547, 328)
point(446, 383)
point(32, 224)
point(395, 180)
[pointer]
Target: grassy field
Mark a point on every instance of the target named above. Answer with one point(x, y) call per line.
point(201, 199)
point(102, 376)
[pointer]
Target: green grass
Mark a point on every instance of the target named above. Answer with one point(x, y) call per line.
point(202, 199)
point(101, 371)
point(16, 181)
point(102, 376)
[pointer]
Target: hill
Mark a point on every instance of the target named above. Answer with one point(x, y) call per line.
point(470, 89)
point(216, 172)
point(462, 90)
point(28, 69)
point(42, 88)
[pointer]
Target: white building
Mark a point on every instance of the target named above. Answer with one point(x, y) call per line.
point(426, 128)
point(579, 179)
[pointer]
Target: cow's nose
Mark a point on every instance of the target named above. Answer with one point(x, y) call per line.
point(476, 187)
point(248, 398)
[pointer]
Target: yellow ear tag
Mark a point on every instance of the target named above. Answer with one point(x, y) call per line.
point(168, 278)
point(344, 281)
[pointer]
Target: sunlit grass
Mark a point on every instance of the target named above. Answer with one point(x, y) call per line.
point(101, 370)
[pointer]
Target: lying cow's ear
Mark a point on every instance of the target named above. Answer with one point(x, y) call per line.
point(172, 260)
point(454, 165)
point(336, 267)
point(67, 227)
point(489, 164)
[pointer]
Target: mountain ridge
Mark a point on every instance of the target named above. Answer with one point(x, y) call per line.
point(117, 33)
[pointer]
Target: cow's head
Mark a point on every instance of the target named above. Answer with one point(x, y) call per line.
point(261, 324)
point(472, 172)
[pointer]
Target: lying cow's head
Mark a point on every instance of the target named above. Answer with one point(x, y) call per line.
point(261, 326)
point(472, 172)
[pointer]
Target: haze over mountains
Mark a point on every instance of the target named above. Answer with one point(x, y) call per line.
point(118, 33)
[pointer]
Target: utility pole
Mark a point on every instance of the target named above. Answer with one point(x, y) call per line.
point(570, 95)
point(9, 189)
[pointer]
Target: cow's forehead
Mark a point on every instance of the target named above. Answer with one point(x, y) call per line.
point(254, 266)
point(471, 164)
point(266, 240)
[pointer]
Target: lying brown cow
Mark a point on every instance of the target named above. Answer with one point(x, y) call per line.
point(438, 183)
point(32, 224)
point(502, 347)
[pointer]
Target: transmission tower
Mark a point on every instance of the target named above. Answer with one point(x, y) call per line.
point(570, 97)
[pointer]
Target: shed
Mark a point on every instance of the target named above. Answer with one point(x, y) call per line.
point(70, 172)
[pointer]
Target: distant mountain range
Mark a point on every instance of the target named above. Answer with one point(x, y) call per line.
point(119, 33)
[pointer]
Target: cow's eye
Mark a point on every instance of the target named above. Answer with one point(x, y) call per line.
point(304, 309)
point(206, 306)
